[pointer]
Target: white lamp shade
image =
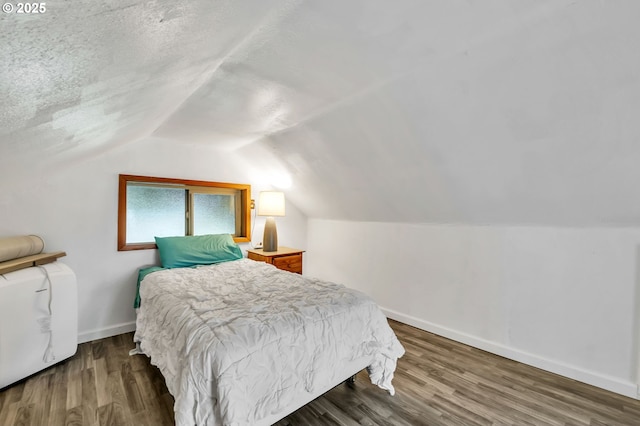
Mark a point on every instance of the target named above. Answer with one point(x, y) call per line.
point(271, 203)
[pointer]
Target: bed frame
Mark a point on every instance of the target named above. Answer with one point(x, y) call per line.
point(347, 374)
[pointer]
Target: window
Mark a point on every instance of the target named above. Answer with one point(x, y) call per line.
point(151, 207)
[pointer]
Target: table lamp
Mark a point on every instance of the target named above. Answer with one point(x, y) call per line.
point(270, 204)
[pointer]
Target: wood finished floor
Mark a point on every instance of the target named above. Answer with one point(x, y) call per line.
point(438, 382)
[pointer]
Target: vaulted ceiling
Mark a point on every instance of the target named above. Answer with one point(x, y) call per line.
point(413, 111)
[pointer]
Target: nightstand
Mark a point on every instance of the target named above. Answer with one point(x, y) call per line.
point(285, 258)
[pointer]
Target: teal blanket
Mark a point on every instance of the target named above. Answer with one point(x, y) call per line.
point(141, 274)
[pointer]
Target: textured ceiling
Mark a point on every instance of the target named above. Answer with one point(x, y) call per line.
point(412, 111)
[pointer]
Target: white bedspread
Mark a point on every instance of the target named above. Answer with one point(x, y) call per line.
point(239, 340)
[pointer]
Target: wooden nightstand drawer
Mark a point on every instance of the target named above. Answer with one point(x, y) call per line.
point(289, 263)
point(284, 258)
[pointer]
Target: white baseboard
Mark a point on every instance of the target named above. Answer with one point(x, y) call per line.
point(612, 384)
point(87, 336)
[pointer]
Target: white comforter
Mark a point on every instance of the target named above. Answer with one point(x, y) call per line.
point(238, 341)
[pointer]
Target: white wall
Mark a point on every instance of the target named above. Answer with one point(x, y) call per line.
point(74, 208)
point(562, 299)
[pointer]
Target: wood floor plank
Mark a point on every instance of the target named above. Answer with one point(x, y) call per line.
point(40, 398)
point(112, 414)
point(89, 398)
point(438, 383)
point(74, 417)
point(24, 415)
point(9, 414)
point(103, 394)
point(98, 349)
point(332, 413)
point(74, 389)
point(58, 407)
point(155, 411)
point(9, 401)
point(459, 412)
point(131, 389)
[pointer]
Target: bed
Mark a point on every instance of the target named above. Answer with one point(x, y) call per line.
point(241, 342)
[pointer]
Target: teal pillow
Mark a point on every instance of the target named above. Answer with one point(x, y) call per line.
point(181, 252)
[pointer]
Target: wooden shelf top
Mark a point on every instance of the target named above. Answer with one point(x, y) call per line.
point(282, 251)
point(29, 261)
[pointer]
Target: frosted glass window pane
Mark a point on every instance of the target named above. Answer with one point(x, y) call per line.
point(214, 214)
point(154, 212)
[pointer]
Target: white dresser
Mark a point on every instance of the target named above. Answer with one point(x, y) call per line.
point(38, 319)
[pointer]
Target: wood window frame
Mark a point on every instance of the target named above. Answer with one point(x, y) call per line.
point(123, 180)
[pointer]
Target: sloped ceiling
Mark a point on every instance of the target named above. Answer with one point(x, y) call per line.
point(497, 112)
